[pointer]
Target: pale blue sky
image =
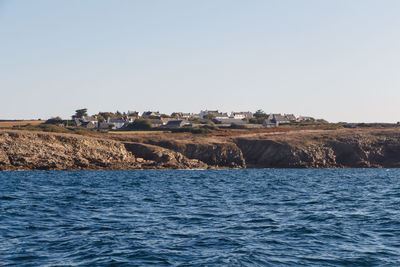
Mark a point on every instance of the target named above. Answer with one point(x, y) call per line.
point(338, 59)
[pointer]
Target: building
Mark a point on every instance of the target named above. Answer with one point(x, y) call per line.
point(120, 122)
point(222, 116)
point(156, 123)
point(187, 115)
point(229, 121)
point(89, 122)
point(279, 118)
point(117, 122)
point(182, 115)
point(268, 123)
point(177, 123)
point(241, 115)
point(215, 114)
point(147, 114)
point(274, 120)
point(290, 117)
point(105, 125)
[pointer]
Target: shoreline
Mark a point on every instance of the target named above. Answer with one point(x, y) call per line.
point(221, 169)
point(313, 149)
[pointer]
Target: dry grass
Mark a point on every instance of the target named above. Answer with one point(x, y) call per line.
point(9, 124)
point(237, 132)
point(138, 132)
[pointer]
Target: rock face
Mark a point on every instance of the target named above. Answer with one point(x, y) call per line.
point(322, 151)
point(216, 154)
point(21, 150)
point(162, 158)
point(44, 151)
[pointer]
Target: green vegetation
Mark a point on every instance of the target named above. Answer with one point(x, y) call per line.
point(260, 114)
point(257, 120)
point(100, 118)
point(174, 115)
point(55, 120)
point(107, 115)
point(259, 117)
point(79, 113)
point(139, 124)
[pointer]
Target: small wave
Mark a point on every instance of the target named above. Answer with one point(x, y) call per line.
point(207, 217)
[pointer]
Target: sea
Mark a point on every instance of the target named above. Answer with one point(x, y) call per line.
point(249, 217)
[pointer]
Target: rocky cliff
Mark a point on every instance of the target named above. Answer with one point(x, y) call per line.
point(161, 158)
point(212, 152)
point(47, 151)
point(21, 150)
point(44, 151)
point(323, 149)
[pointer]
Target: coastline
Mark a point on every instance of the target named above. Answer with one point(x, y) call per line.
point(322, 149)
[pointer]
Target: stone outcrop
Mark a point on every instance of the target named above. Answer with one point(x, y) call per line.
point(335, 150)
point(45, 151)
point(217, 154)
point(20, 150)
point(48, 151)
point(162, 158)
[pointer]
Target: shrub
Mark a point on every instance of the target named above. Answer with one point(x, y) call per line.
point(257, 120)
point(260, 114)
point(139, 124)
point(55, 120)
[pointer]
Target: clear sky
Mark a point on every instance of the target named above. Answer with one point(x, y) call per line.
point(338, 59)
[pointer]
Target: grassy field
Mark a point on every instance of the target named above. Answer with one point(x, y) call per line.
point(8, 124)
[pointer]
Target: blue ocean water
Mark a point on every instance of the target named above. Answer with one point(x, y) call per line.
point(282, 217)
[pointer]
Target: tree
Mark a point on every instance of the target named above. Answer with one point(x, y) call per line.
point(55, 120)
point(260, 114)
point(107, 115)
point(80, 113)
point(100, 118)
point(175, 115)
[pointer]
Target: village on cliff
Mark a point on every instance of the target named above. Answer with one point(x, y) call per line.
point(132, 120)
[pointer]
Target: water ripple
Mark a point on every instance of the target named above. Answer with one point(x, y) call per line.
point(185, 218)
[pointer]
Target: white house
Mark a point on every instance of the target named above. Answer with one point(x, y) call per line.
point(120, 122)
point(147, 114)
point(241, 115)
point(215, 113)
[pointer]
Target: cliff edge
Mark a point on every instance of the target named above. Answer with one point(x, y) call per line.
point(323, 149)
point(372, 148)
